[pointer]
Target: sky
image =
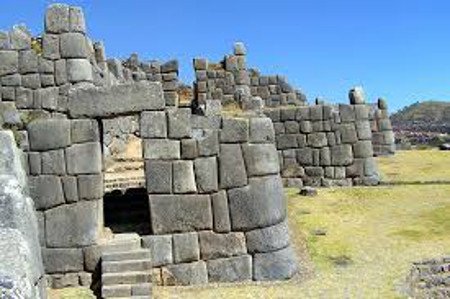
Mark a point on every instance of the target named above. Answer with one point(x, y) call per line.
point(395, 49)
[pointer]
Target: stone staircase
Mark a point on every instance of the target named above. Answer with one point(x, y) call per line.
point(126, 268)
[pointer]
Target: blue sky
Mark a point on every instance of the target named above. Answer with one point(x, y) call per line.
point(395, 49)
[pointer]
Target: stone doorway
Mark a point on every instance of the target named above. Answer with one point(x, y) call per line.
point(128, 211)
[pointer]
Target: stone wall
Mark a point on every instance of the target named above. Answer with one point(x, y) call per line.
point(430, 279)
point(21, 268)
point(383, 140)
point(230, 79)
point(324, 145)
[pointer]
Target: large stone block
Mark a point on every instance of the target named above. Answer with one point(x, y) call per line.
point(261, 159)
point(285, 141)
point(234, 130)
point(73, 45)
point(208, 143)
point(50, 46)
point(180, 213)
point(57, 18)
point(183, 177)
point(46, 191)
point(179, 123)
point(28, 62)
point(258, 205)
point(221, 212)
point(185, 247)
point(206, 174)
point(317, 139)
point(341, 155)
point(348, 133)
point(73, 225)
point(76, 20)
point(84, 158)
point(158, 175)
point(10, 62)
point(363, 130)
point(160, 248)
point(231, 166)
point(90, 186)
point(230, 269)
point(107, 101)
point(70, 188)
point(79, 70)
point(49, 134)
point(268, 239)
point(363, 149)
point(189, 273)
point(276, 265)
point(304, 156)
point(161, 149)
point(53, 162)
point(61, 260)
point(261, 130)
point(189, 149)
point(347, 113)
point(84, 130)
point(153, 124)
point(214, 245)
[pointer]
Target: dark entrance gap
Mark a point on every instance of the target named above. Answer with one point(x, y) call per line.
point(128, 211)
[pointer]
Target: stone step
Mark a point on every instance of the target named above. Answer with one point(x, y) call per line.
point(127, 290)
point(126, 265)
point(122, 243)
point(131, 277)
point(137, 254)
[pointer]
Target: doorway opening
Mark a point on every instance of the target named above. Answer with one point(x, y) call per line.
point(127, 211)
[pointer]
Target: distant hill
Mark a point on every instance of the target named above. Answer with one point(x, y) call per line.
point(429, 116)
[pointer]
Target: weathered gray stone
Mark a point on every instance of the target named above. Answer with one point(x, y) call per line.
point(46, 191)
point(288, 114)
point(11, 80)
point(306, 126)
point(179, 123)
point(84, 130)
point(230, 269)
point(286, 141)
point(214, 245)
point(234, 130)
point(200, 64)
point(292, 127)
point(348, 133)
point(185, 247)
point(276, 265)
point(257, 205)
point(347, 113)
point(314, 171)
point(317, 139)
point(53, 162)
point(189, 149)
point(153, 124)
point(158, 175)
point(73, 45)
point(356, 95)
point(73, 225)
point(183, 177)
point(79, 70)
point(49, 134)
point(10, 62)
point(180, 213)
point(261, 159)
point(363, 149)
point(341, 155)
point(70, 188)
point(50, 46)
point(363, 130)
point(170, 66)
point(9, 115)
point(57, 18)
point(90, 186)
point(107, 101)
point(60, 260)
point(325, 156)
point(76, 20)
point(189, 273)
point(304, 156)
point(206, 174)
point(34, 162)
point(32, 81)
point(24, 98)
point(28, 62)
point(60, 281)
point(61, 72)
point(47, 80)
point(20, 37)
point(160, 248)
point(162, 149)
point(221, 212)
point(84, 158)
point(362, 112)
point(208, 143)
point(261, 130)
point(273, 114)
point(268, 239)
point(231, 166)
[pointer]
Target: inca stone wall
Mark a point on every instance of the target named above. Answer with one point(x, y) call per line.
point(383, 140)
point(217, 208)
point(430, 279)
point(229, 80)
point(21, 270)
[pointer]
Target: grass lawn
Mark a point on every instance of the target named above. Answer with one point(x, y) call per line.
point(372, 235)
